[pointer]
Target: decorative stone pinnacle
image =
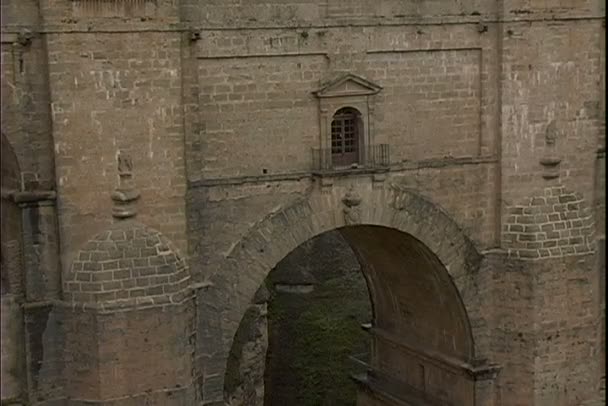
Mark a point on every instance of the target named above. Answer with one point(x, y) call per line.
point(125, 195)
point(550, 161)
point(551, 133)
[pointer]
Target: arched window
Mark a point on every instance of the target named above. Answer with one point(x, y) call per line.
point(345, 133)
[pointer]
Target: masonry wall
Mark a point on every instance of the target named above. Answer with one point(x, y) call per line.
point(566, 338)
point(25, 110)
point(438, 80)
point(549, 78)
point(552, 108)
point(116, 86)
point(130, 357)
point(221, 212)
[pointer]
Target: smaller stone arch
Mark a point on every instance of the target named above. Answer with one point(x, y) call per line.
point(129, 265)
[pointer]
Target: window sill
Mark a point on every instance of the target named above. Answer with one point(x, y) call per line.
point(347, 171)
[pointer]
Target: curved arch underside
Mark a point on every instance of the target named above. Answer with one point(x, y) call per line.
point(414, 297)
point(420, 268)
point(419, 318)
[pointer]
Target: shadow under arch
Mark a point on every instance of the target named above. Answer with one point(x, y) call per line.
point(393, 229)
point(411, 292)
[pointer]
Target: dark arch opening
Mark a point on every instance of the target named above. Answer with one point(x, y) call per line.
point(420, 332)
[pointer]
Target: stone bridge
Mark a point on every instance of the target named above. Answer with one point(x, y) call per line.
point(161, 157)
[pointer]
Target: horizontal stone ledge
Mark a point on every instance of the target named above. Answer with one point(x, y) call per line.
point(337, 173)
point(406, 20)
point(410, 50)
point(244, 56)
point(240, 180)
point(39, 304)
point(444, 162)
point(393, 168)
point(126, 305)
point(531, 255)
point(30, 196)
point(153, 25)
point(135, 25)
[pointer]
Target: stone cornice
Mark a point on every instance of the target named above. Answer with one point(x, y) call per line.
point(29, 196)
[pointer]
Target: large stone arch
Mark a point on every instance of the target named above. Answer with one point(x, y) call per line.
point(427, 227)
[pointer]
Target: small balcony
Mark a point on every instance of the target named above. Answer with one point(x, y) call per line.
point(375, 156)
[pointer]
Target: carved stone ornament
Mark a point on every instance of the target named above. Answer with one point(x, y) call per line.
point(551, 133)
point(351, 212)
point(125, 195)
point(550, 161)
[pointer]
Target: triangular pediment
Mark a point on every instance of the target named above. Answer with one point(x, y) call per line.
point(348, 85)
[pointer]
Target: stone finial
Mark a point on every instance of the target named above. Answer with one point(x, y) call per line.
point(351, 212)
point(550, 161)
point(551, 133)
point(125, 195)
